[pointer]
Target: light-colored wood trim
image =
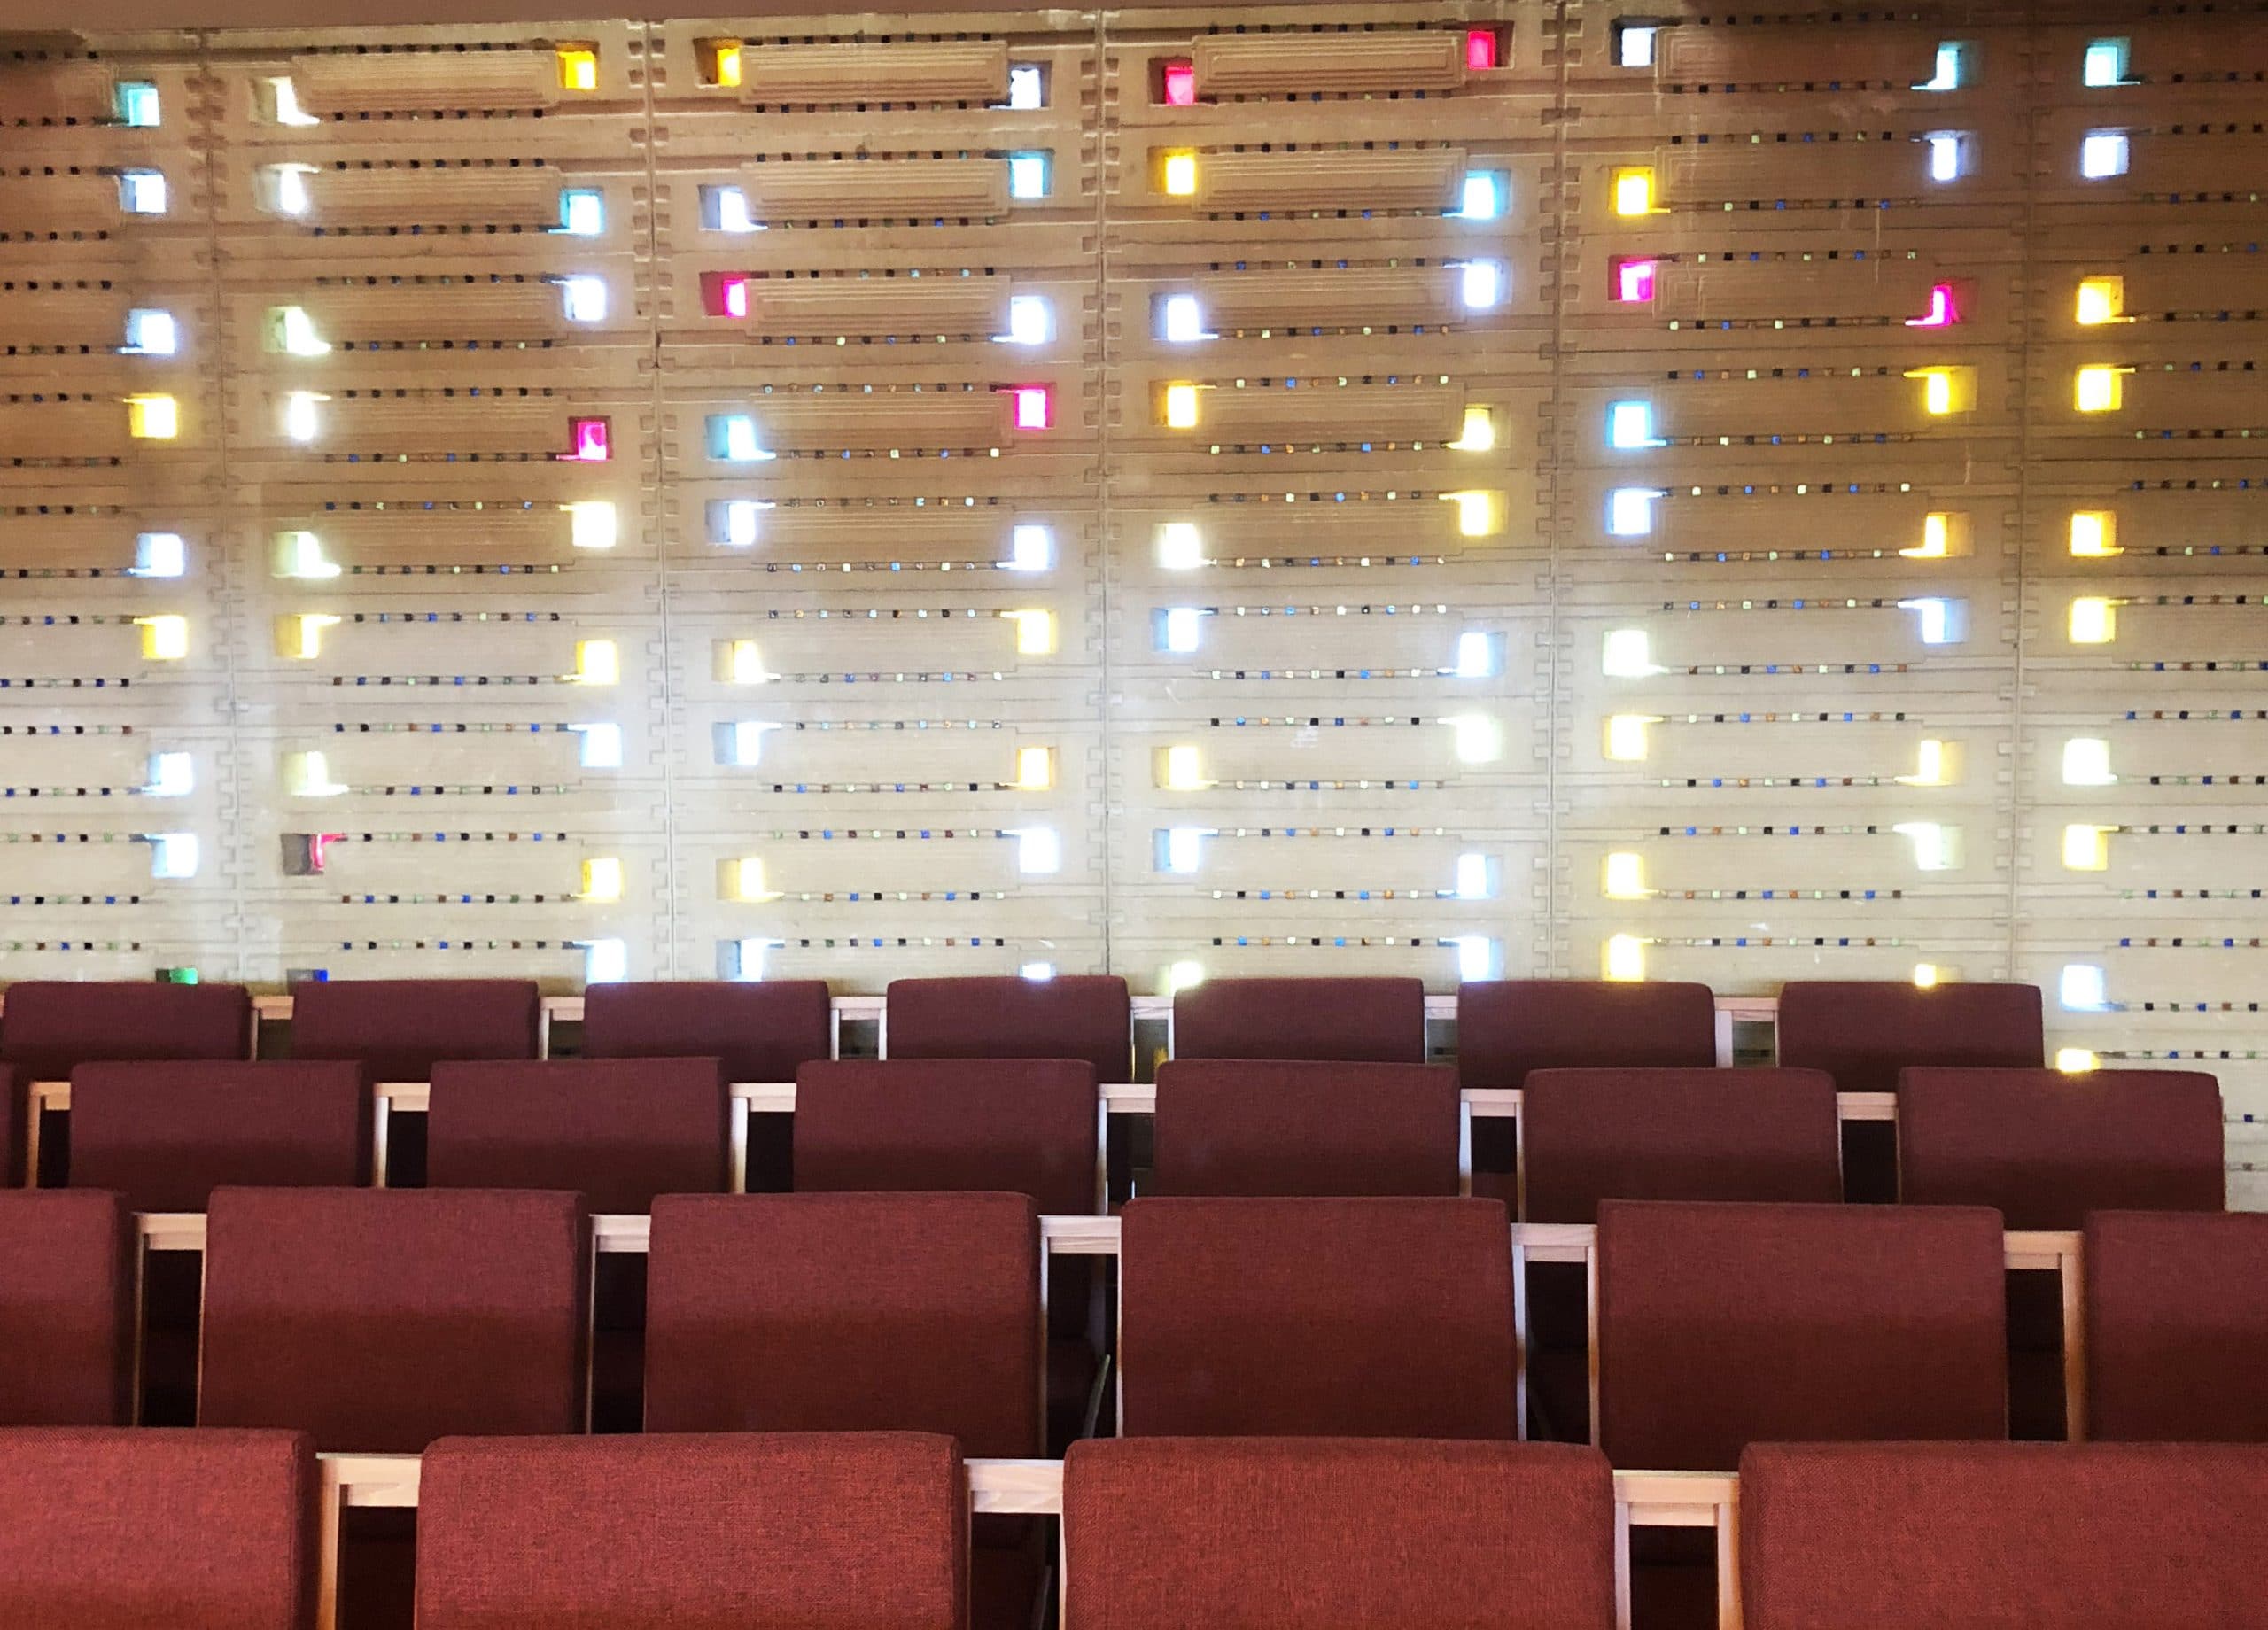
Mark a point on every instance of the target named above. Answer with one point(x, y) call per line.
point(1079, 1236)
point(171, 1230)
point(2071, 1271)
point(621, 1233)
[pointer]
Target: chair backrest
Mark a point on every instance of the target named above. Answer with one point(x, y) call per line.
point(1162, 1532)
point(1368, 1318)
point(2039, 1535)
point(14, 1106)
point(1011, 1126)
point(1719, 1325)
point(1590, 1135)
point(620, 1130)
point(381, 1319)
point(846, 1313)
point(125, 1529)
point(1346, 1021)
point(782, 1530)
point(400, 1029)
point(2177, 1326)
point(165, 1136)
point(1864, 1031)
point(1251, 1126)
point(67, 1309)
point(1507, 1028)
point(2044, 1148)
point(1086, 1016)
point(48, 1028)
point(761, 1029)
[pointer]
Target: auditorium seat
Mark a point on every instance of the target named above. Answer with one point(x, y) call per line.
point(1340, 1317)
point(381, 1319)
point(48, 1028)
point(400, 1029)
point(1262, 1127)
point(2025, 1536)
point(67, 1309)
point(1071, 1016)
point(109, 1529)
point(1864, 1032)
point(15, 1106)
point(792, 1531)
point(1509, 1029)
point(1669, 1134)
point(620, 1130)
point(762, 1029)
point(1339, 1020)
point(1162, 1533)
point(2177, 1323)
point(164, 1135)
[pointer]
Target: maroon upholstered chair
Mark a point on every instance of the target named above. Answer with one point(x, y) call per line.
point(1241, 1126)
point(761, 1029)
point(620, 1130)
point(14, 1105)
point(48, 1027)
point(1719, 1325)
point(1017, 1126)
point(1863, 1032)
point(2044, 1148)
point(400, 1029)
point(1370, 1318)
point(114, 1529)
point(865, 1531)
point(67, 1310)
point(846, 1313)
point(1343, 1021)
point(1162, 1532)
point(164, 1135)
point(381, 1319)
point(2176, 1321)
point(2045, 1536)
point(1071, 1016)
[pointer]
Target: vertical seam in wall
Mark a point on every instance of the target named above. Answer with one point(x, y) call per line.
point(656, 473)
point(1106, 380)
point(1558, 892)
point(2018, 798)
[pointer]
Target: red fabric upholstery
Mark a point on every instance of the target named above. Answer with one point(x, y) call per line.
point(1320, 1534)
point(1262, 1127)
point(401, 1028)
point(1506, 1028)
point(380, 1319)
point(1677, 1134)
point(761, 1029)
point(1368, 1318)
point(846, 1313)
point(1071, 1016)
point(1863, 1032)
point(154, 1530)
point(2046, 1148)
point(1343, 1021)
point(1009, 1126)
point(1999, 1536)
point(14, 1106)
point(621, 1131)
point(50, 1027)
point(2176, 1320)
point(165, 1136)
point(67, 1310)
point(778, 1532)
point(1719, 1325)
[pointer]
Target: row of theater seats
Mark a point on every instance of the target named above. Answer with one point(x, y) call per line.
point(212, 1531)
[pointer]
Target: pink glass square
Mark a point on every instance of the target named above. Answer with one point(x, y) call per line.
point(1479, 49)
point(1634, 281)
point(1033, 408)
point(1943, 313)
point(735, 293)
point(590, 438)
point(1181, 84)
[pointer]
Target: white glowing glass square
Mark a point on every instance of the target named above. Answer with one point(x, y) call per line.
point(299, 554)
point(748, 740)
point(164, 638)
point(599, 747)
point(159, 555)
point(172, 775)
point(1035, 407)
point(1183, 976)
point(1181, 406)
point(740, 522)
point(1177, 629)
point(1039, 849)
point(1184, 769)
point(1027, 86)
point(1031, 548)
point(1937, 848)
point(173, 854)
point(1634, 45)
point(597, 662)
point(1480, 284)
point(582, 213)
point(142, 192)
point(2105, 64)
point(1032, 319)
point(1478, 738)
point(303, 415)
point(1479, 434)
point(1625, 876)
point(2082, 987)
point(1623, 958)
point(1476, 957)
point(1473, 878)
point(1944, 157)
point(1628, 655)
point(151, 332)
point(285, 98)
point(1482, 196)
point(2086, 848)
point(1625, 735)
point(2093, 621)
point(2102, 300)
point(1183, 320)
point(1181, 546)
point(724, 209)
point(745, 663)
point(1038, 973)
point(605, 962)
point(1950, 61)
point(2098, 389)
point(1631, 424)
point(585, 297)
point(290, 182)
point(1936, 618)
point(2076, 1060)
point(602, 878)
point(2103, 152)
point(1027, 175)
point(1035, 769)
point(2086, 763)
point(1925, 976)
point(1035, 631)
point(293, 332)
point(307, 775)
point(1630, 511)
point(592, 524)
point(743, 959)
point(1634, 190)
point(137, 102)
point(733, 436)
point(1181, 848)
point(1479, 654)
